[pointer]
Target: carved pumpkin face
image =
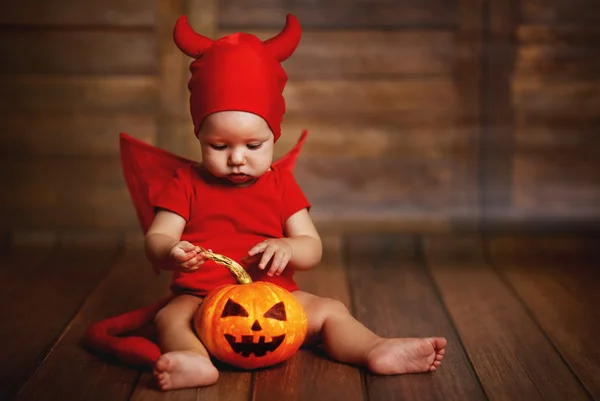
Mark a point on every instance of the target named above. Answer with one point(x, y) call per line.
point(251, 325)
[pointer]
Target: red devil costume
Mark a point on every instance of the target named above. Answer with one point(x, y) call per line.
point(236, 72)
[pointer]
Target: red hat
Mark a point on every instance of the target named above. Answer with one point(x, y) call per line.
point(238, 72)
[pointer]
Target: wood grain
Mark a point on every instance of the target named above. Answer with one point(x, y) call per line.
point(337, 13)
point(469, 79)
point(394, 297)
point(70, 134)
point(552, 184)
point(558, 52)
point(123, 13)
point(308, 374)
point(24, 344)
point(173, 72)
point(559, 104)
point(350, 187)
point(72, 372)
point(554, 11)
point(135, 94)
point(552, 275)
point(550, 141)
point(423, 103)
point(497, 136)
point(41, 299)
point(363, 137)
point(355, 54)
point(41, 51)
point(66, 192)
point(504, 343)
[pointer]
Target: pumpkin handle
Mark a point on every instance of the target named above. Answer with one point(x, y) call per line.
point(240, 274)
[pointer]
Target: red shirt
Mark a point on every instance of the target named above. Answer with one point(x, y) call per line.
point(230, 221)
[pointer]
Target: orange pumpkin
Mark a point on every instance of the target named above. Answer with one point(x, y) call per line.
point(250, 324)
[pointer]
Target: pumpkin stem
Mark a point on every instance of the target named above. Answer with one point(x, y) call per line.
point(240, 274)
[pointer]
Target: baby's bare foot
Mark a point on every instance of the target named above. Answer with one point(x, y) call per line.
point(181, 369)
point(392, 356)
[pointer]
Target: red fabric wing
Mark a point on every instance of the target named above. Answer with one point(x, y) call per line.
point(146, 169)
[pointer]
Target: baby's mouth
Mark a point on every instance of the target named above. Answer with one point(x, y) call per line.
point(239, 177)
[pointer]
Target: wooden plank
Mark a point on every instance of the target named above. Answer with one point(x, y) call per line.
point(363, 137)
point(469, 78)
point(510, 353)
point(547, 183)
point(558, 52)
point(558, 11)
point(70, 371)
point(40, 51)
point(411, 103)
point(497, 136)
point(347, 187)
point(392, 223)
point(355, 54)
point(124, 13)
point(557, 104)
point(135, 94)
point(542, 140)
point(41, 298)
point(394, 297)
point(66, 192)
point(71, 134)
point(26, 247)
point(553, 275)
point(309, 375)
point(346, 14)
point(173, 72)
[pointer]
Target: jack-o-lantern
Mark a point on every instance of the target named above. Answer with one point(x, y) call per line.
point(249, 324)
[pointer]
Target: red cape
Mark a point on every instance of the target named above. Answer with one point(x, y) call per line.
point(146, 169)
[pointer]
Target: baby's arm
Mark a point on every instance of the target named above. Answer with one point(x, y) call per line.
point(302, 235)
point(164, 247)
point(301, 248)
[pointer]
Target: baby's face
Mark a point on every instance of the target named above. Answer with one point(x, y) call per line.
point(236, 145)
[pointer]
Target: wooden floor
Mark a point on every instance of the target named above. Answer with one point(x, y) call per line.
point(521, 315)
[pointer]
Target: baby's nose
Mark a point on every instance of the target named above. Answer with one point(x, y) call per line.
point(237, 159)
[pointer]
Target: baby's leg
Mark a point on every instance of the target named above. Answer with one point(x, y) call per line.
point(185, 361)
point(347, 340)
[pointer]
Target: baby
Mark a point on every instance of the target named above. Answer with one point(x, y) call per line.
point(237, 203)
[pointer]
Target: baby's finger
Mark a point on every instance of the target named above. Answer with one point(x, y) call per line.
point(284, 261)
point(266, 257)
point(182, 256)
point(187, 246)
point(258, 248)
point(191, 263)
point(276, 263)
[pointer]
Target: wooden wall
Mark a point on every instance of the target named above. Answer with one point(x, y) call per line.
point(425, 115)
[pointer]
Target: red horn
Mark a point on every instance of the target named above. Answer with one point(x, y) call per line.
point(188, 41)
point(285, 42)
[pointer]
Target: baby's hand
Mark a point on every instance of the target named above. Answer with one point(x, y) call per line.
point(186, 256)
point(277, 249)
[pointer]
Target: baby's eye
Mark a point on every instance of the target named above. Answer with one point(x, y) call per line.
point(254, 146)
point(218, 147)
